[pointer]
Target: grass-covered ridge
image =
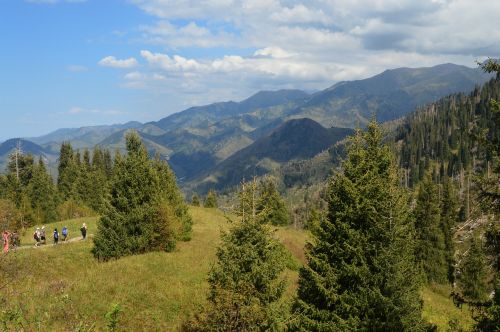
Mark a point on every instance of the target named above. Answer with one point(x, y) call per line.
point(64, 285)
point(60, 288)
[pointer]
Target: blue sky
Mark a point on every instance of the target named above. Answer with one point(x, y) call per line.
point(72, 63)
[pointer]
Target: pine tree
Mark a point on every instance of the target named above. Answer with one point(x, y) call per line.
point(42, 194)
point(489, 198)
point(19, 175)
point(170, 191)
point(68, 172)
point(195, 200)
point(472, 279)
point(361, 271)
point(211, 200)
point(141, 216)
point(92, 184)
point(270, 206)
point(245, 283)
point(449, 217)
point(430, 249)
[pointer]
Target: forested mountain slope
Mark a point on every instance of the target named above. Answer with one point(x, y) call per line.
point(27, 147)
point(447, 132)
point(443, 133)
point(295, 140)
point(388, 95)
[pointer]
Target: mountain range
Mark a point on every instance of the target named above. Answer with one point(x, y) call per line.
point(219, 144)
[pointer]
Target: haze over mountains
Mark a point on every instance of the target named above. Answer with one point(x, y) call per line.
point(217, 144)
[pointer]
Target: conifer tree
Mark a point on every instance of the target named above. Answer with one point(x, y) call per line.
point(42, 194)
point(449, 217)
point(170, 191)
point(195, 200)
point(141, 216)
point(488, 311)
point(430, 249)
point(108, 163)
point(270, 206)
point(211, 199)
point(361, 271)
point(247, 200)
point(245, 283)
point(92, 185)
point(68, 172)
point(472, 279)
point(19, 175)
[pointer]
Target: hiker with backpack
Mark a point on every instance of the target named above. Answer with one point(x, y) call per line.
point(56, 236)
point(16, 241)
point(42, 235)
point(64, 233)
point(36, 236)
point(84, 231)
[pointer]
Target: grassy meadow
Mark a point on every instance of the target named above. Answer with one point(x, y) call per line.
point(63, 288)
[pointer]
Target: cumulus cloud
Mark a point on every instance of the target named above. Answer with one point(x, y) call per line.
point(271, 44)
point(111, 61)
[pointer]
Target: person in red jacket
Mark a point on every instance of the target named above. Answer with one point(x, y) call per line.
point(5, 237)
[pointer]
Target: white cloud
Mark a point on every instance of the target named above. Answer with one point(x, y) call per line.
point(273, 52)
point(270, 44)
point(174, 63)
point(301, 14)
point(111, 61)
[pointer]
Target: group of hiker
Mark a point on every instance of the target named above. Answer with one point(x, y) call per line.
point(39, 234)
point(13, 240)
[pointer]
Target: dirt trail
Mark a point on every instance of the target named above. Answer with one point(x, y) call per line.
point(71, 240)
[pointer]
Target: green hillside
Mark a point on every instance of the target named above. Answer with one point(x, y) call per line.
point(63, 288)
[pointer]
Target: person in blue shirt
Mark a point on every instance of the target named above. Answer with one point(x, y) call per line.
point(65, 233)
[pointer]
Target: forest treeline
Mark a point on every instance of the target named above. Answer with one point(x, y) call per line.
point(126, 190)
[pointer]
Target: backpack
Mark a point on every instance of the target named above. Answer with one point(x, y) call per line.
point(64, 231)
point(56, 235)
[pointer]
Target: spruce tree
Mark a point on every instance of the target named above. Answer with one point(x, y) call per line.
point(361, 271)
point(92, 185)
point(246, 283)
point(195, 200)
point(472, 278)
point(489, 199)
point(67, 171)
point(211, 199)
point(270, 206)
point(42, 194)
point(170, 191)
point(449, 217)
point(430, 249)
point(142, 214)
point(19, 175)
